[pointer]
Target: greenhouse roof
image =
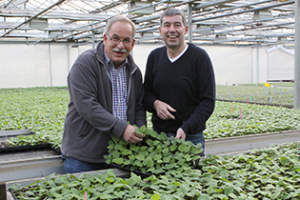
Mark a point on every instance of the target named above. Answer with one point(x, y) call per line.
point(226, 22)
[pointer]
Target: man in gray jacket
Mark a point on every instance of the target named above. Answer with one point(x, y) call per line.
point(106, 92)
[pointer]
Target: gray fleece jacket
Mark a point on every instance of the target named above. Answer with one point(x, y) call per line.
point(89, 123)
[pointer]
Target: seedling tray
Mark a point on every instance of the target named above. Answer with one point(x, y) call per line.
point(155, 155)
point(22, 185)
point(13, 194)
point(138, 172)
point(28, 148)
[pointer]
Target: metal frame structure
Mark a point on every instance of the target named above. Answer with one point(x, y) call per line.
point(211, 22)
point(249, 23)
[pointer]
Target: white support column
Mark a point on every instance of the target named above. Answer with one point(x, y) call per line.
point(297, 56)
point(190, 24)
point(50, 65)
point(93, 40)
point(68, 52)
point(257, 62)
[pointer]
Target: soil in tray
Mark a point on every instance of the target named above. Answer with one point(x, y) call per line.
point(4, 148)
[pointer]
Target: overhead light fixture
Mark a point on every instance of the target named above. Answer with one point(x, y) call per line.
point(204, 29)
point(146, 35)
point(262, 14)
point(38, 23)
point(75, 45)
point(282, 40)
point(145, 11)
point(221, 36)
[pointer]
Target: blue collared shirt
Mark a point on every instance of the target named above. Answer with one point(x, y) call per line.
point(119, 86)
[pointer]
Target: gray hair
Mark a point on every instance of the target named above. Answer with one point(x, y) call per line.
point(172, 12)
point(122, 19)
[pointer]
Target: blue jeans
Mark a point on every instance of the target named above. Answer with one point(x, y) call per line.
point(195, 139)
point(73, 165)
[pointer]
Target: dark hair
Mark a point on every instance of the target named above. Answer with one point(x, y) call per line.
point(172, 12)
point(122, 19)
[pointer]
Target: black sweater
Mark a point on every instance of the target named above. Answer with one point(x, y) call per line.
point(188, 85)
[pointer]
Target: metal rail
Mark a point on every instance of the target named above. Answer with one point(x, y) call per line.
point(30, 168)
point(31, 18)
point(14, 133)
point(27, 168)
point(244, 143)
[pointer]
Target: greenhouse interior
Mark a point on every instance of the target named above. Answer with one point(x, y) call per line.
point(252, 135)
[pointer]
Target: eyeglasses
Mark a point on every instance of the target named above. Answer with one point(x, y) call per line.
point(117, 40)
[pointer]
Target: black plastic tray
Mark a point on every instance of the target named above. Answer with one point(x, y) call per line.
point(13, 194)
point(147, 174)
point(28, 148)
point(138, 172)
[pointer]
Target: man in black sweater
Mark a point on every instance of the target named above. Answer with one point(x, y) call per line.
point(179, 82)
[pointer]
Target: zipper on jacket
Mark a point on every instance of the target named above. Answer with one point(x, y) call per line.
point(129, 84)
point(108, 74)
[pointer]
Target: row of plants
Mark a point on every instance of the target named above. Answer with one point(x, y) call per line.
point(43, 110)
point(275, 94)
point(265, 174)
point(238, 119)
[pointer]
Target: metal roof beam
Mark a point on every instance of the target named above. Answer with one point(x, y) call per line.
point(28, 20)
point(106, 19)
point(16, 3)
point(106, 7)
point(232, 8)
point(205, 5)
point(242, 12)
point(52, 15)
point(243, 24)
point(8, 3)
point(51, 27)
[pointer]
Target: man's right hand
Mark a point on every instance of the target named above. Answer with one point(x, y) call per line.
point(131, 136)
point(163, 110)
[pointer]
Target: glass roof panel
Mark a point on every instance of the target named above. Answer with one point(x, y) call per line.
point(228, 22)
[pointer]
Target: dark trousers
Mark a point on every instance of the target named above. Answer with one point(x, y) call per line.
point(73, 165)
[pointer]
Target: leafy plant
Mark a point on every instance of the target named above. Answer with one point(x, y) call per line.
point(265, 174)
point(156, 154)
point(43, 111)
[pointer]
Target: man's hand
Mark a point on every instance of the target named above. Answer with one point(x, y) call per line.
point(163, 110)
point(180, 134)
point(131, 136)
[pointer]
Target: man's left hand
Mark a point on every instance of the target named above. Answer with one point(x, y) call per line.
point(180, 134)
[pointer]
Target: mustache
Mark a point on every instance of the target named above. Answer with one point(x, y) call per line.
point(119, 50)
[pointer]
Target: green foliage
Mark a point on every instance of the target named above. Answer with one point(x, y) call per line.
point(255, 120)
point(258, 175)
point(280, 94)
point(43, 111)
point(156, 154)
point(265, 174)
